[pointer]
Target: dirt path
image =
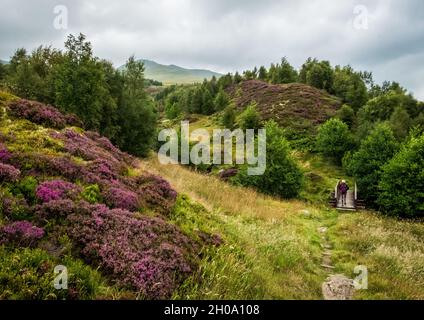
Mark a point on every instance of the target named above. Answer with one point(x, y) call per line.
point(337, 286)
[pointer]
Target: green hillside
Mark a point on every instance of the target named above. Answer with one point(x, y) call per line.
point(172, 74)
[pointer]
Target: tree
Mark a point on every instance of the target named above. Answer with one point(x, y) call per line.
point(221, 100)
point(207, 102)
point(347, 115)
point(400, 122)
point(350, 87)
point(317, 74)
point(136, 114)
point(80, 84)
point(334, 139)
point(282, 176)
point(229, 117)
point(365, 164)
point(402, 182)
point(285, 72)
point(262, 73)
point(250, 118)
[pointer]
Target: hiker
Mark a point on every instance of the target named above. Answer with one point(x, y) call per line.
point(342, 190)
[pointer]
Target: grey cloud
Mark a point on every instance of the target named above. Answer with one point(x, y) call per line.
point(230, 35)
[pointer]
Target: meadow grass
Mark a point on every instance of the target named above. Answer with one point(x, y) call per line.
point(272, 248)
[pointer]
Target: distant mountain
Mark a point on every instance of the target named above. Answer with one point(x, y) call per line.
point(172, 74)
point(3, 62)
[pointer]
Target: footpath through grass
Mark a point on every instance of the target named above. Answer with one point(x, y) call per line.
point(273, 249)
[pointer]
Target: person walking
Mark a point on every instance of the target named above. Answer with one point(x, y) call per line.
point(343, 188)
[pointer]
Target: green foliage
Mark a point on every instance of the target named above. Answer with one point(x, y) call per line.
point(229, 117)
point(282, 176)
point(282, 73)
point(365, 164)
point(317, 74)
point(106, 100)
point(250, 118)
point(400, 122)
point(334, 139)
point(27, 188)
point(401, 189)
point(28, 274)
point(221, 100)
point(92, 194)
point(137, 116)
point(349, 86)
point(347, 115)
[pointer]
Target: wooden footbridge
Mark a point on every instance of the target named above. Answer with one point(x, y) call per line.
point(353, 203)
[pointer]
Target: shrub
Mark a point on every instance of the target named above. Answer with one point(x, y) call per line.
point(57, 210)
point(15, 208)
point(156, 193)
point(365, 164)
point(5, 155)
point(8, 173)
point(229, 117)
point(20, 233)
point(144, 254)
point(92, 194)
point(41, 114)
point(27, 187)
point(402, 182)
point(116, 197)
point(250, 118)
point(56, 190)
point(282, 176)
point(334, 139)
point(347, 115)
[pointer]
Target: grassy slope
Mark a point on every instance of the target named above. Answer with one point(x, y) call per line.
point(273, 248)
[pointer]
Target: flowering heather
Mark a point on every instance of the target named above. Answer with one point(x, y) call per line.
point(14, 208)
point(56, 190)
point(55, 209)
point(20, 233)
point(5, 155)
point(155, 192)
point(8, 173)
point(122, 199)
point(144, 254)
point(39, 164)
point(41, 114)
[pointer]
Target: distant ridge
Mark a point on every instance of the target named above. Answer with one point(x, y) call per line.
point(172, 74)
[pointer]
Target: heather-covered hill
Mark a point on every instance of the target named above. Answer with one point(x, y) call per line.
point(69, 197)
point(295, 106)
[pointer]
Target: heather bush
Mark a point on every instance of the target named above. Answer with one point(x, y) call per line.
point(14, 208)
point(5, 155)
point(121, 198)
point(143, 254)
point(156, 193)
point(28, 274)
point(57, 190)
point(41, 114)
point(8, 173)
point(57, 210)
point(21, 234)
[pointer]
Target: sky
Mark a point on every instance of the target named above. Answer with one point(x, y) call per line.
point(385, 37)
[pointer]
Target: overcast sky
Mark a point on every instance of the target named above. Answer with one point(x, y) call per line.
point(382, 36)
